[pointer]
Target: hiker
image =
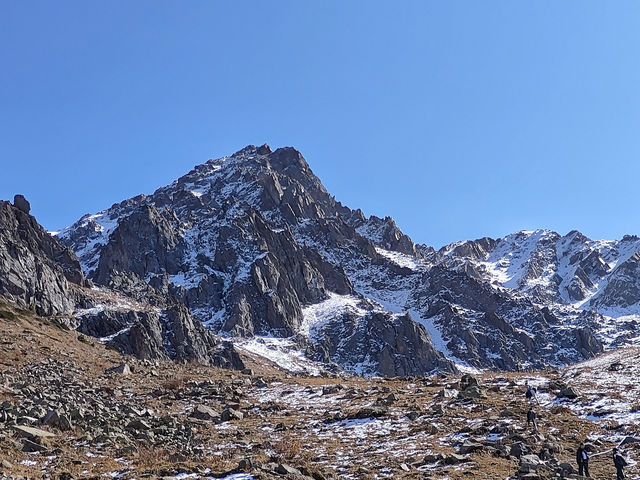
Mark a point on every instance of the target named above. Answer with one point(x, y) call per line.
point(582, 458)
point(620, 463)
point(531, 418)
point(529, 392)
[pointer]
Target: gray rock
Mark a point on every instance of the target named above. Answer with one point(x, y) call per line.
point(284, 469)
point(30, 446)
point(568, 392)
point(229, 414)
point(530, 463)
point(469, 446)
point(139, 425)
point(21, 203)
point(454, 459)
point(55, 419)
point(471, 392)
point(31, 432)
point(122, 369)
point(202, 412)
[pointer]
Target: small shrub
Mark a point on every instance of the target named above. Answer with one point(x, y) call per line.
point(288, 448)
point(173, 384)
point(7, 314)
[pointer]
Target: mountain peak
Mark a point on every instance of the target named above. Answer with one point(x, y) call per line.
point(263, 149)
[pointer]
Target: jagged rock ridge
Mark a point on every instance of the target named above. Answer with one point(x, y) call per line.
point(254, 245)
point(38, 272)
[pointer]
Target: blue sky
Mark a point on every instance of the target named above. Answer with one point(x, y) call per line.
point(458, 119)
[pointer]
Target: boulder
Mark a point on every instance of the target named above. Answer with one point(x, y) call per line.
point(472, 391)
point(31, 432)
point(122, 369)
point(33, 447)
point(202, 412)
point(568, 392)
point(370, 412)
point(58, 420)
point(284, 469)
point(530, 463)
point(454, 459)
point(229, 414)
point(469, 446)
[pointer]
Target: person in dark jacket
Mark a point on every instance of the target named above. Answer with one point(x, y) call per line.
point(582, 459)
point(620, 463)
point(529, 392)
point(531, 419)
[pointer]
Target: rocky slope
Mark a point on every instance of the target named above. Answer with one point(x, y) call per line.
point(254, 246)
point(72, 409)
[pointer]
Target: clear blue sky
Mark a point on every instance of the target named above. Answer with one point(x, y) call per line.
point(458, 119)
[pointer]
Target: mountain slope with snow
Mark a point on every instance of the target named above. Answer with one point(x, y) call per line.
point(571, 275)
point(254, 246)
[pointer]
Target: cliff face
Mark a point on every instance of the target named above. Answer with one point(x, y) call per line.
point(36, 271)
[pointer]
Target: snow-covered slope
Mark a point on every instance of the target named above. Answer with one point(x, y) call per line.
point(569, 274)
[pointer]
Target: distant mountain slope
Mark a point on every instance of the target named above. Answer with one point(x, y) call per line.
point(569, 274)
point(253, 245)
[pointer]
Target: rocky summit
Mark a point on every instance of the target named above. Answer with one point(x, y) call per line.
point(255, 248)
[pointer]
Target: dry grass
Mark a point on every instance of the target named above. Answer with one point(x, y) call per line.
point(173, 384)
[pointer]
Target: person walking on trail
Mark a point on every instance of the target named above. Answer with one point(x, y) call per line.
point(582, 459)
point(620, 463)
point(529, 393)
point(531, 419)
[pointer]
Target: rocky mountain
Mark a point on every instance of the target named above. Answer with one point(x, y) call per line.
point(40, 273)
point(572, 275)
point(233, 240)
point(256, 248)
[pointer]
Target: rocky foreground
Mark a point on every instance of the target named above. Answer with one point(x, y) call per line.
point(72, 409)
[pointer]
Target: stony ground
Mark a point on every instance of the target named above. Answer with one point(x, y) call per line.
point(69, 409)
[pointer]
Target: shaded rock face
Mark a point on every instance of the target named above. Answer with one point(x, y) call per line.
point(144, 242)
point(380, 343)
point(170, 334)
point(492, 328)
point(280, 280)
point(623, 287)
point(253, 244)
point(35, 269)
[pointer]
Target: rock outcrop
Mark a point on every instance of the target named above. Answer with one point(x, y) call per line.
point(36, 271)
